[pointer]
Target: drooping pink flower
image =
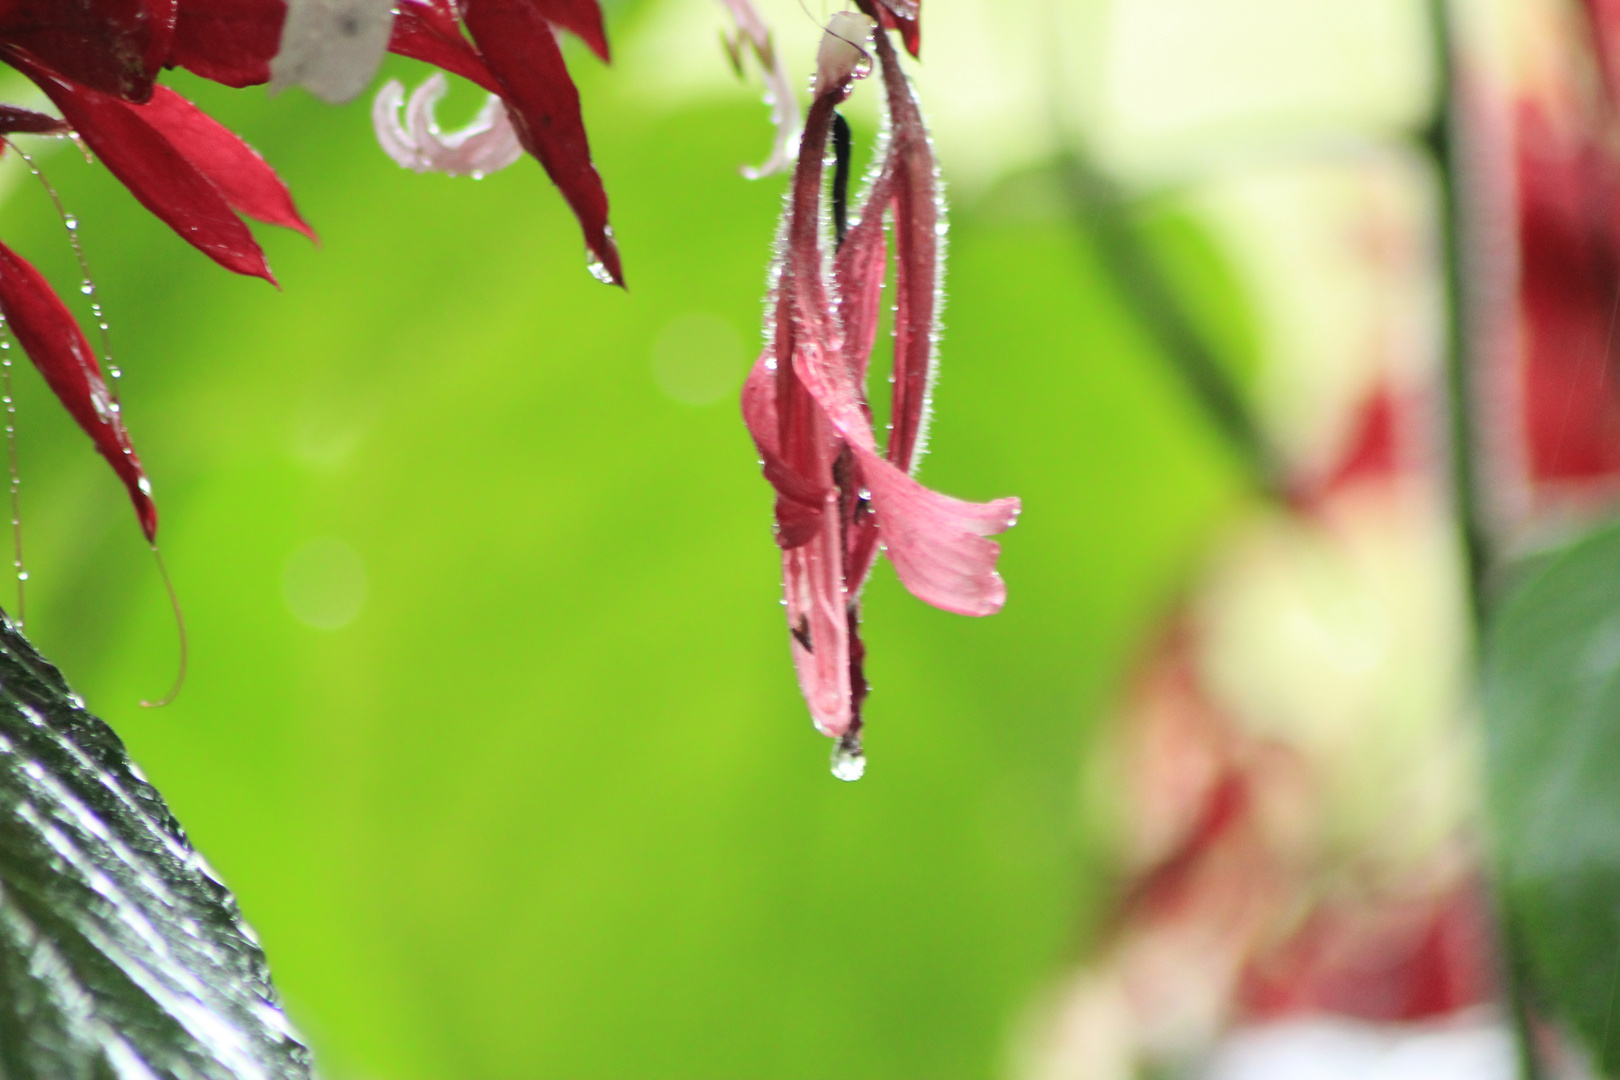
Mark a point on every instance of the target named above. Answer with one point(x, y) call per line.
point(838, 496)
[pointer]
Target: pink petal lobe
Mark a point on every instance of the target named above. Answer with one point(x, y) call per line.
point(799, 501)
point(937, 543)
point(813, 586)
point(520, 49)
point(157, 174)
point(51, 337)
point(229, 41)
point(247, 181)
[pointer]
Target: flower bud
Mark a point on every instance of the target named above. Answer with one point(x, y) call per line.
point(843, 49)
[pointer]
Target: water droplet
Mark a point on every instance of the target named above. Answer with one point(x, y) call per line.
point(848, 760)
point(599, 271)
point(113, 369)
point(88, 288)
point(71, 222)
point(22, 575)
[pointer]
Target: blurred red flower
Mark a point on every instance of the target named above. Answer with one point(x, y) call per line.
point(837, 496)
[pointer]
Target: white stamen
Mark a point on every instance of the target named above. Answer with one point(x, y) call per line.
point(778, 89)
point(486, 145)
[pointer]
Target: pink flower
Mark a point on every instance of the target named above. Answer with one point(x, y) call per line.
point(838, 497)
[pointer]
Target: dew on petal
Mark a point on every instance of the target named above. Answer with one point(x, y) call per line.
point(598, 270)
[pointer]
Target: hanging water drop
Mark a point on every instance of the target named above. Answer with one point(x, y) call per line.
point(848, 759)
point(599, 270)
point(71, 222)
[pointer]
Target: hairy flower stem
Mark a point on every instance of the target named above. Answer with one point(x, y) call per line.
point(1105, 212)
point(1445, 139)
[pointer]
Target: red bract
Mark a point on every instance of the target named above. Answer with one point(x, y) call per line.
point(97, 60)
point(514, 54)
point(837, 496)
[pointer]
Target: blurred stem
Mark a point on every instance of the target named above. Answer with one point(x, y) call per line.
point(1106, 212)
point(1442, 137)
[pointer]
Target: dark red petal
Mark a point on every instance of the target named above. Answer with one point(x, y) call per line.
point(14, 120)
point(115, 46)
point(799, 502)
point(428, 32)
point(917, 250)
point(246, 180)
point(582, 18)
point(228, 41)
point(51, 337)
point(158, 175)
point(519, 47)
point(902, 16)
point(858, 273)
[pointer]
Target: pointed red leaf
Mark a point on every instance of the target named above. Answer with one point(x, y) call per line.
point(583, 18)
point(247, 181)
point(228, 41)
point(51, 337)
point(115, 46)
point(429, 32)
point(157, 174)
point(521, 50)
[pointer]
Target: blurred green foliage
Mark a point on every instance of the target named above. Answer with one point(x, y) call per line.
point(550, 804)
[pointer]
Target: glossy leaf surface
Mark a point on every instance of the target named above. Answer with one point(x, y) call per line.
point(121, 954)
point(1553, 714)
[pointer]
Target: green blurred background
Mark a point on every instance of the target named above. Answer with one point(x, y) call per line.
point(491, 721)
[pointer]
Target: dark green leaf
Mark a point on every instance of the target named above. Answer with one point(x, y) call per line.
point(1552, 703)
point(121, 955)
